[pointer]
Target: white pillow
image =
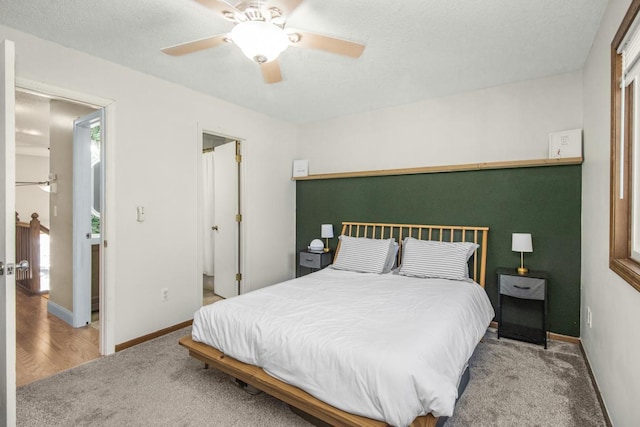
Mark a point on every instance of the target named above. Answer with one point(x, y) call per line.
point(446, 260)
point(363, 254)
point(392, 258)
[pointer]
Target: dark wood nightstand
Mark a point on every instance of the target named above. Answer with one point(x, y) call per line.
point(531, 287)
point(313, 260)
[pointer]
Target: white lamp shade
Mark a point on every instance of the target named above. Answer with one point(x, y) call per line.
point(521, 242)
point(326, 231)
point(260, 41)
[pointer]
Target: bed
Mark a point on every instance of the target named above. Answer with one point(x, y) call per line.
point(363, 342)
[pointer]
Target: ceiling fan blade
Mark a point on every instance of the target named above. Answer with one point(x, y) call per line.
point(219, 6)
point(271, 71)
point(286, 6)
point(196, 45)
point(329, 44)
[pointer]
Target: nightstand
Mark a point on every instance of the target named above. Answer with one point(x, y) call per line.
point(313, 260)
point(529, 293)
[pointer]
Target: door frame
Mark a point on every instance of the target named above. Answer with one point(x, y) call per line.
point(7, 182)
point(242, 253)
point(107, 263)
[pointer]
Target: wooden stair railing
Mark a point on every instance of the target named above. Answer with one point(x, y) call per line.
point(28, 247)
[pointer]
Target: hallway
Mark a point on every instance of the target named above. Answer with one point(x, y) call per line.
point(46, 345)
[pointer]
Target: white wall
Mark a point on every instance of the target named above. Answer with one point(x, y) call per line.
point(612, 343)
point(32, 198)
point(510, 122)
point(154, 147)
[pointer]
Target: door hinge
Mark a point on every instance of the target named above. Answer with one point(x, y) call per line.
point(105, 244)
point(238, 158)
point(238, 218)
point(238, 276)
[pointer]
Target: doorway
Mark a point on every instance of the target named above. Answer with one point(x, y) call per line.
point(221, 217)
point(49, 135)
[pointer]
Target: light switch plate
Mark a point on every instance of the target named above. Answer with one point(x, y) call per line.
point(140, 213)
point(565, 144)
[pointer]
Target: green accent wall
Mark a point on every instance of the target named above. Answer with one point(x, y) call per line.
point(543, 201)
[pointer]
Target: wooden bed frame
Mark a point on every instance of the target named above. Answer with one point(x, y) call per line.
point(299, 399)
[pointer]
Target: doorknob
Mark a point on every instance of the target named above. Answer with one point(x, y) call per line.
point(22, 265)
point(214, 228)
point(1, 268)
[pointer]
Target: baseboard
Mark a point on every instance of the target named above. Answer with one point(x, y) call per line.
point(152, 335)
point(550, 335)
point(60, 312)
point(607, 420)
point(565, 338)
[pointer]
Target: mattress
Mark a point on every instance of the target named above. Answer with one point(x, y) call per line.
point(383, 346)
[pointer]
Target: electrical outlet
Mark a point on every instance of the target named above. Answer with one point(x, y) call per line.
point(589, 318)
point(164, 294)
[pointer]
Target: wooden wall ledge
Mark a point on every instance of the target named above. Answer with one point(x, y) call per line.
point(450, 168)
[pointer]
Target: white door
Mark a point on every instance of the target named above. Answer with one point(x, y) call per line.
point(208, 216)
point(83, 237)
point(8, 240)
point(227, 228)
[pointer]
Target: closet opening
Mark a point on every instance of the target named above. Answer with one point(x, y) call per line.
point(221, 217)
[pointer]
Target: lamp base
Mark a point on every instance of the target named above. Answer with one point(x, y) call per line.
point(523, 270)
point(326, 249)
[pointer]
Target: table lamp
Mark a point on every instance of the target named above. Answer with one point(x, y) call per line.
point(326, 232)
point(521, 242)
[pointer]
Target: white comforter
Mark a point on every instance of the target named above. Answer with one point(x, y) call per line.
point(387, 347)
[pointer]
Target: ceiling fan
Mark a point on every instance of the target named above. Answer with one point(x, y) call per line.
point(260, 32)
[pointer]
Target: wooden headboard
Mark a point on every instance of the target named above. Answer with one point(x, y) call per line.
point(441, 233)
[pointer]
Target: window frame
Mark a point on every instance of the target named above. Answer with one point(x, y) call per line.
point(621, 200)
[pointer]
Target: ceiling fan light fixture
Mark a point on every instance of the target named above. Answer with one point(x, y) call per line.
point(260, 41)
point(276, 17)
point(229, 16)
point(294, 37)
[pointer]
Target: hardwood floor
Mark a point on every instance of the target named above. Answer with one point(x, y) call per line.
point(46, 345)
point(208, 297)
point(208, 294)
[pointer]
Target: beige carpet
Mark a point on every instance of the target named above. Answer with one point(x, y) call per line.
point(158, 384)
point(520, 384)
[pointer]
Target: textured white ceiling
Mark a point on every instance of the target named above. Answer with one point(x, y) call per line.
point(415, 49)
point(32, 124)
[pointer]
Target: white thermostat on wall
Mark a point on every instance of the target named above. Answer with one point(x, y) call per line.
point(565, 144)
point(300, 168)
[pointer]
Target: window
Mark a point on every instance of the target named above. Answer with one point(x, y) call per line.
point(624, 248)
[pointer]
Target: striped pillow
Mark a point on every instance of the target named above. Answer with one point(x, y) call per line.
point(446, 260)
point(362, 254)
point(391, 258)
